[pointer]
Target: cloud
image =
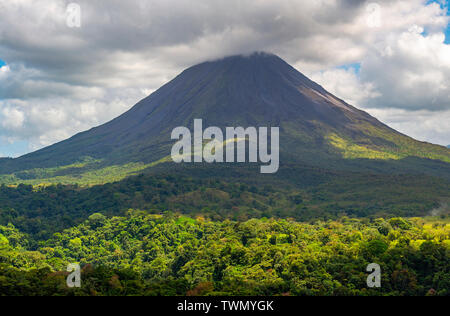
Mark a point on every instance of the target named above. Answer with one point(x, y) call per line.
point(422, 124)
point(12, 118)
point(64, 80)
point(346, 84)
point(411, 71)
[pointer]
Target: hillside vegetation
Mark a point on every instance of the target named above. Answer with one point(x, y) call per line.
point(172, 255)
point(43, 211)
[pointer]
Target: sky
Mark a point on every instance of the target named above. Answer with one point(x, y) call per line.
point(390, 58)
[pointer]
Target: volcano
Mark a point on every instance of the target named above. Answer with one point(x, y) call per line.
point(317, 129)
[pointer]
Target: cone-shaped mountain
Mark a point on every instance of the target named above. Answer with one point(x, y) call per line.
point(316, 127)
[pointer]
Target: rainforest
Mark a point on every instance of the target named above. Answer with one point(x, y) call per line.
point(203, 237)
point(170, 254)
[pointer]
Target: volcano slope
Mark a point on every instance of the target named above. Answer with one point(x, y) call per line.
point(330, 151)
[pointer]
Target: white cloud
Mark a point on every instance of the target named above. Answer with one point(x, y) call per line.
point(429, 126)
point(4, 70)
point(346, 84)
point(412, 71)
point(45, 121)
point(12, 118)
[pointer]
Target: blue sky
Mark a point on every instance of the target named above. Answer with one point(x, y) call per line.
point(442, 3)
point(16, 148)
point(447, 33)
point(355, 66)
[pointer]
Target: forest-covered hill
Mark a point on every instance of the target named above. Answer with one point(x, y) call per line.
point(141, 254)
